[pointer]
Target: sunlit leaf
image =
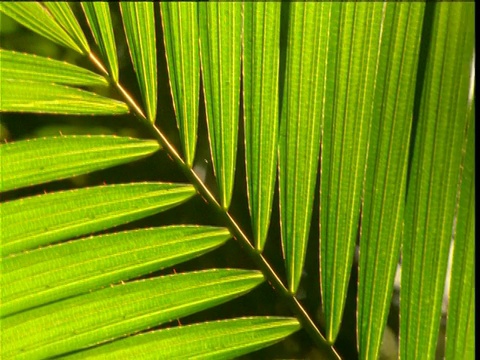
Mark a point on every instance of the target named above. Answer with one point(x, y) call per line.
point(384, 197)
point(260, 69)
point(38, 220)
point(41, 97)
point(432, 185)
point(226, 339)
point(119, 310)
point(55, 272)
point(180, 28)
point(31, 162)
point(139, 22)
point(64, 16)
point(21, 66)
point(351, 69)
point(461, 305)
point(301, 120)
point(100, 22)
point(36, 18)
point(220, 25)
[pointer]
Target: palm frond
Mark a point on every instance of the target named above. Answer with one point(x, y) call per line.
point(373, 100)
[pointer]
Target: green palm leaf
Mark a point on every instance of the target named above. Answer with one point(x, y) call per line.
point(64, 16)
point(385, 182)
point(180, 26)
point(461, 314)
point(32, 278)
point(329, 92)
point(225, 339)
point(351, 65)
point(139, 22)
point(100, 22)
point(60, 215)
point(106, 314)
point(220, 26)
point(299, 142)
point(37, 18)
point(30, 96)
point(29, 67)
point(433, 179)
point(260, 72)
point(36, 161)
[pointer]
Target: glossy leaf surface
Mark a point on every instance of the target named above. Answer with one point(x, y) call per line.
point(180, 26)
point(35, 161)
point(385, 184)
point(50, 98)
point(21, 66)
point(224, 339)
point(261, 63)
point(461, 305)
point(301, 121)
point(139, 23)
point(123, 309)
point(432, 186)
point(220, 25)
point(100, 22)
point(64, 16)
point(34, 16)
point(39, 220)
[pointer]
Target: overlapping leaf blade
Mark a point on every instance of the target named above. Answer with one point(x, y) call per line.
point(30, 222)
point(432, 186)
point(180, 28)
point(139, 23)
point(35, 161)
point(220, 26)
point(461, 306)
point(385, 184)
point(100, 22)
point(36, 18)
point(106, 314)
point(56, 272)
point(261, 70)
point(21, 66)
point(224, 339)
point(41, 97)
point(64, 16)
point(301, 121)
point(351, 70)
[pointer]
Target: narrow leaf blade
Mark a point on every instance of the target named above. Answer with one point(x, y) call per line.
point(220, 25)
point(385, 184)
point(64, 16)
point(139, 23)
point(180, 26)
point(40, 97)
point(352, 61)
point(35, 161)
point(434, 174)
point(461, 304)
point(100, 22)
point(60, 271)
point(30, 222)
point(103, 315)
point(261, 70)
point(29, 67)
point(301, 119)
point(35, 17)
point(225, 339)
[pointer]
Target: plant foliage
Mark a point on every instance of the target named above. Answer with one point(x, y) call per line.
point(357, 116)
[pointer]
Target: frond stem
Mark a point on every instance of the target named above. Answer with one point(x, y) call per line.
point(255, 255)
point(235, 230)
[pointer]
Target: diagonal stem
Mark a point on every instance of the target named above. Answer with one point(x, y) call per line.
point(235, 230)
